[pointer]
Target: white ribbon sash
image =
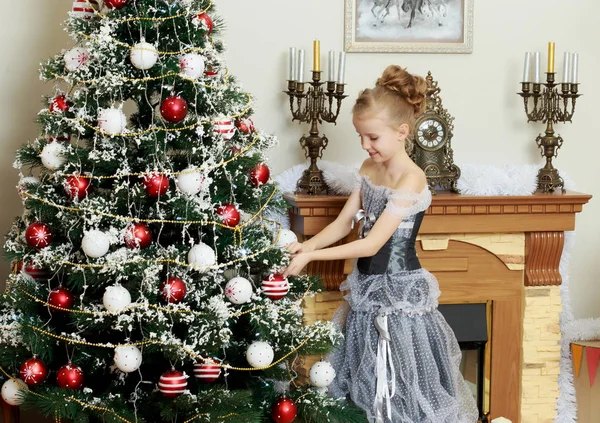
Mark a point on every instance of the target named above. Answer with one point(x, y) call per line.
point(384, 359)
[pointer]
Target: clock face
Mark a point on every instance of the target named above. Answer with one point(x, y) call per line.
point(431, 134)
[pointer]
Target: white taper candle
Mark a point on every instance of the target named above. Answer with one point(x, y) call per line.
point(574, 68)
point(526, 68)
point(342, 68)
point(300, 73)
point(292, 73)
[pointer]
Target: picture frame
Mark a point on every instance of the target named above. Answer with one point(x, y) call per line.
point(408, 26)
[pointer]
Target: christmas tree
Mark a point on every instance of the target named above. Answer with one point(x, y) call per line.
point(145, 285)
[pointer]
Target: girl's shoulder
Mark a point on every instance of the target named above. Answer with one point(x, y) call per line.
point(366, 167)
point(413, 180)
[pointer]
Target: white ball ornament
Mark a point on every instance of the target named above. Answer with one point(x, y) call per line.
point(192, 65)
point(201, 256)
point(238, 290)
point(116, 298)
point(76, 58)
point(128, 359)
point(321, 374)
point(11, 391)
point(286, 237)
point(259, 354)
point(143, 55)
point(112, 121)
point(95, 243)
point(190, 181)
point(53, 155)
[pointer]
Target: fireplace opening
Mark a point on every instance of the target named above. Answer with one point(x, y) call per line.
point(469, 323)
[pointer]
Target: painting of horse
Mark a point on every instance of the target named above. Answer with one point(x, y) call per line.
point(409, 25)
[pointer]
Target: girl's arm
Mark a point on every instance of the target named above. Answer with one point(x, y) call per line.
point(383, 229)
point(333, 232)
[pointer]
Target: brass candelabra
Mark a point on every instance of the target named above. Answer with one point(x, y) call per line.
point(315, 106)
point(550, 106)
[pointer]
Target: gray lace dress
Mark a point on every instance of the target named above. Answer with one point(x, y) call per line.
point(400, 359)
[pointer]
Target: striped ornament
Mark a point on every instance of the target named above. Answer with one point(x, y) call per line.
point(207, 372)
point(84, 8)
point(37, 273)
point(172, 383)
point(275, 286)
point(225, 128)
point(60, 138)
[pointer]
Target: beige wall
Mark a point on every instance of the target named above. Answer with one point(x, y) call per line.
point(479, 89)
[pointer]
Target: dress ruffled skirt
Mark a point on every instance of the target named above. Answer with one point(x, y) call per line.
point(400, 360)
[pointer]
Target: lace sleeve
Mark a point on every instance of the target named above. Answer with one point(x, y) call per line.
point(404, 203)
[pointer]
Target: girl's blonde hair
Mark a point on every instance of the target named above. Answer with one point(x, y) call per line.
point(400, 94)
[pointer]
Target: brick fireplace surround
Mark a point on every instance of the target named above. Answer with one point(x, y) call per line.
point(501, 251)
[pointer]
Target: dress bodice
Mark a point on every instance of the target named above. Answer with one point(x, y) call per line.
point(398, 253)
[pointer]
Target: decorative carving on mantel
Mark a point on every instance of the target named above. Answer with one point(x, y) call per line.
point(543, 251)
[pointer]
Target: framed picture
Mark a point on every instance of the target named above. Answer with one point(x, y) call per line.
point(409, 26)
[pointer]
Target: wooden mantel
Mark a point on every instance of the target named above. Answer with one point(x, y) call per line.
point(451, 248)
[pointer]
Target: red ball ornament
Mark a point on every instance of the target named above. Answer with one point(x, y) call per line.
point(138, 235)
point(38, 235)
point(229, 214)
point(77, 188)
point(173, 290)
point(275, 286)
point(34, 371)
point(115, 4)
point(69, 376)
point(204, 18)
point(260, 175)
point(284, 411)
point(59, 104)
point(156, 184)
point(245, 125)
point(172, 383)
point(62, 298)
point(207, 372)
point(174, 109)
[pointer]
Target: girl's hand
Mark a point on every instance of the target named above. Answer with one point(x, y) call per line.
point(298, 247)
point(297, 264)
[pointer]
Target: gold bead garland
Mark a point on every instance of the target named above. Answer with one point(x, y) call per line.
point(144, 174)
point(237, 228)
point(136, 306)
point(156, 128)
point(146, 79)
point(164, 344)
point(138, 18)
point(164, 53)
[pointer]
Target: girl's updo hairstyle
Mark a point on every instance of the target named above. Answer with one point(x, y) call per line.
point(400, 94)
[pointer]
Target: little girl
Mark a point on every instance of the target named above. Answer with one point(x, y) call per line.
point(400, 359)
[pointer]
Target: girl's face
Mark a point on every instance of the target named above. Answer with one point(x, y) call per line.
point(378, 137)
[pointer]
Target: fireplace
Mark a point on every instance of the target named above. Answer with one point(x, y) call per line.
point(501, 253)
point(470, 325)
